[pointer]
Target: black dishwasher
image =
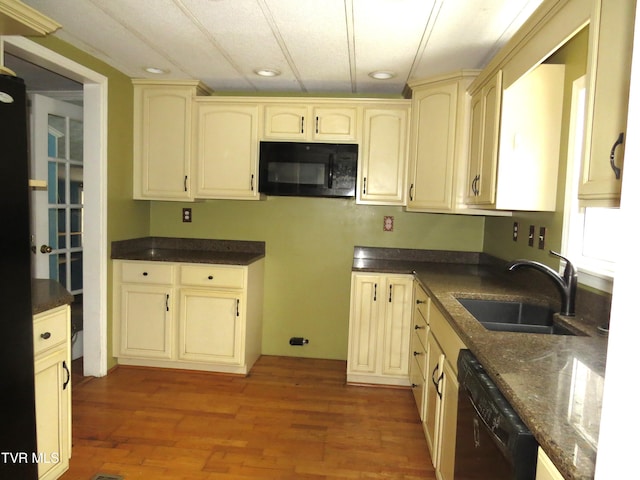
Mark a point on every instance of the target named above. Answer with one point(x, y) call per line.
point(492, 443)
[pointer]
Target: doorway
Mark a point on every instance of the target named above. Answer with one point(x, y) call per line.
point(93, 90)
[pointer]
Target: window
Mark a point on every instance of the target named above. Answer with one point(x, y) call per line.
point(588, 232)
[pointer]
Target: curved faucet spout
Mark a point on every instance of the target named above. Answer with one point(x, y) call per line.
point(567, 283)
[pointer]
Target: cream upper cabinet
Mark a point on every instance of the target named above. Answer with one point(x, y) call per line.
point(383, 154)
point(529, 145)
point(514, 157)
point(52, 363)
point(162, 132)
point(439, 112)
point(611, 43)
point(379, 329)
point(226, 145)
point(483, 143)
point(310, 122)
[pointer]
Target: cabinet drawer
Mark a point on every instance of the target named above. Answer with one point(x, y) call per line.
point(448, 339)
point(147, 272)
point(422, 303)
point(420, 327)
point(212, 276)
point(50, 329)
point(419, 354)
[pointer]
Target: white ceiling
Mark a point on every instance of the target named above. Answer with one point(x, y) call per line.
point(319, 46)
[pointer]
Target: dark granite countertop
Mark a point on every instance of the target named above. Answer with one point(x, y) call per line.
point(47, 294)
point(188, 250)
point(554, 382)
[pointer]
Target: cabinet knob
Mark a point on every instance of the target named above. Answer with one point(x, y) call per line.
point(415, 354)
point(144, 274)
point(210, 277)
point(420, 302)
point(45, 335)
point(418, 327)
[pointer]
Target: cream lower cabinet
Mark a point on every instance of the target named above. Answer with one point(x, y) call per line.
point(52, 348)
point(436, 357)
point(379, 323)
point(226, 149)
point(545, 469)
point(208, 317)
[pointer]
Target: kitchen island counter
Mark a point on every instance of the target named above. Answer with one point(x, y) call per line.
point(554, 382)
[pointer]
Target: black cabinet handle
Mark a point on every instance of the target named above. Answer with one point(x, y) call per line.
point(418, 327)
point(144, 274)
point(166, 302)
point(66, 369)
point(185, 183)
point(612, 157)
point(375, 292)
point(415, 354)
point(390, 289)
point(420, 302)
point(252, 178)
point(364, 186)
point(45, 335)
point(301, 124)
point(237, 308)
point(210, 277)
point(317, 124)
point(411, 192)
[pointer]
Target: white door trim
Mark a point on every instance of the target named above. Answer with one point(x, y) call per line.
point(95, 178)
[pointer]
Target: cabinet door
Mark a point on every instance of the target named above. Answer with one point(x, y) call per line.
point(162, 142)
point(397, 323)
point(53, 390)
point(384, 156)
point(286, 122)
point(146, 325)
point(485, 131)
point(448, 419)
point(475, 148)
point(492, 98)
point(227, 151)
point(433, 147)
point(210, 326)
point(435, 359)
point(363, 323)
point(334, 124)
point(609, 66)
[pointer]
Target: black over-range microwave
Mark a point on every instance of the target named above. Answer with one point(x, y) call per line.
point(308, 169)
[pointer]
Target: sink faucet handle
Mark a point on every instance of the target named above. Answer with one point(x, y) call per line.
point(569, 270)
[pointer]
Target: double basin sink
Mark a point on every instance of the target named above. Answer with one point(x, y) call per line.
point(509, 316)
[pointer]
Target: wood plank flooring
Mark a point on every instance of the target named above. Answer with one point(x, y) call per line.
point(290, 419)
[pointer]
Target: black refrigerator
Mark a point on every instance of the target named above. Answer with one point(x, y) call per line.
point(17, 405)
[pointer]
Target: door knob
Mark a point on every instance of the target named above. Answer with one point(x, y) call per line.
point(45, 249)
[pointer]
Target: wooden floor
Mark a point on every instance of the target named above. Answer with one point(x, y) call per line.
point(290, 419)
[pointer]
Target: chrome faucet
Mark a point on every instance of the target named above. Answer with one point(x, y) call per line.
point(567, 283)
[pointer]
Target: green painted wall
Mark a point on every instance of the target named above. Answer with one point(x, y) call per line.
point(497, 237)
point(309, 245)
point(125, 217)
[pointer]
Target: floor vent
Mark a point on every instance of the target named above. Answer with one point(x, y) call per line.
point(106, 476)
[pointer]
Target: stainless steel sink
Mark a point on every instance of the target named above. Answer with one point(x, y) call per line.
point(507, 316)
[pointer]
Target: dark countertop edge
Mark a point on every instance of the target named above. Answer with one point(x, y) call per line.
point(47, 294)
point(188, 250)
point(487, 266)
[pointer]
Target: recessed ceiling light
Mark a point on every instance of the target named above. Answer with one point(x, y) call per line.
point(155, 70)
point(267, 72)
point(382, 75)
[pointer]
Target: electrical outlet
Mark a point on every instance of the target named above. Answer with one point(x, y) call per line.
point(387, 224)
point(186, 215)
point(541, 237)
point(515, 231)
point(532, 234)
